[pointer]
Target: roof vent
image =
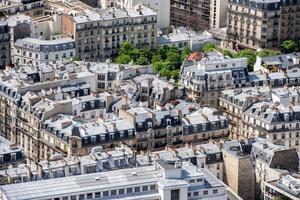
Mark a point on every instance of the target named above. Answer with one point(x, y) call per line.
point(134, 174)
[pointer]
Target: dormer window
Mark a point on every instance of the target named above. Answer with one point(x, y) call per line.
point(121, 134)
point(168, 121)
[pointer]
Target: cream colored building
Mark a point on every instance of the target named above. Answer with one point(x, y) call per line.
point(161, 7)
point(218, 13)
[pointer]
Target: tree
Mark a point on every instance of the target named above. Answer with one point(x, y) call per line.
point(209, 47)
point(174, 59)
point(184, 53)
point(281, 198)
point(248, 53)
point(266, 53)
point(156, 58)
point(123, 59)
point(125, 48)
point(288, 46)
point(142, 61)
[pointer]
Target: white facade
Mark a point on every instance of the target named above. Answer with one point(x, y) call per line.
point(38, 51)
point(160, 181)
point(161, 7)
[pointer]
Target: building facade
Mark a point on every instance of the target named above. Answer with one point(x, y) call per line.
point(98, 35)
point(39, 51)
point(4, 44)
point(162, 8)
point(261, 24)
point(218, 13)
point(159, 181)
point(193, 14)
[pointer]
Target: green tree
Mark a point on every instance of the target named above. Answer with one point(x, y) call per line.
point(174, 59)
point(126, 47)
point(184, 53)
point(288, 46)
point(250, 54)
point(142, 61)
point(266, 53)
point(166, 73)
point(156, 58)
point(162, 52)
point(158, 66)
point(281, 198)
point(209, 47)
point(135, 54)
point(123, 59)
point(147, 53)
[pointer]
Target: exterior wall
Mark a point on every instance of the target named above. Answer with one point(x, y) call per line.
point(162, 8)
point(239, 175)
point(33, 9)
point(218, 13)
point(289, 21)
point(67, 25)
point(193, 14)
point(4, 45)
point(25, 56)
point(104, 41)
point(252, 27)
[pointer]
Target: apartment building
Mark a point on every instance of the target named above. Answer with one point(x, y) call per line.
point(261, 24)
point(285, 187)
point(289, 20)
point(162, 8)
point(235, 102)
point(206, 78)
point(38, 51)
point(238, 169)
point(32, 8)
point(154, 128)
point(193, 14)
point(20, 26)
point(279, 63)
point(159, 181)
point(10, 154)
point(4, 44)
point(203, 125)
point(268, 159)
point(218, 13)
point(99, 160)
point(98, 35)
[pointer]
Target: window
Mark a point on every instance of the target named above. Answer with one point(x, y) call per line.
point(113, 192)
point(73, 197)
point(215, 191)
point(89, 196)
point(192, 180)
point(152, 187)
point(199, 180)
point(129, 190)
point(65, 198)
point(1, 158)
point(196, 194)
point(145, 188)
point(137, 189)
point(13, 157)
point(46, 57)
point(175, 194)
point(98, 194)
point(105, 193)
point(205, 192)
point(81, 196)
point(121, 191)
